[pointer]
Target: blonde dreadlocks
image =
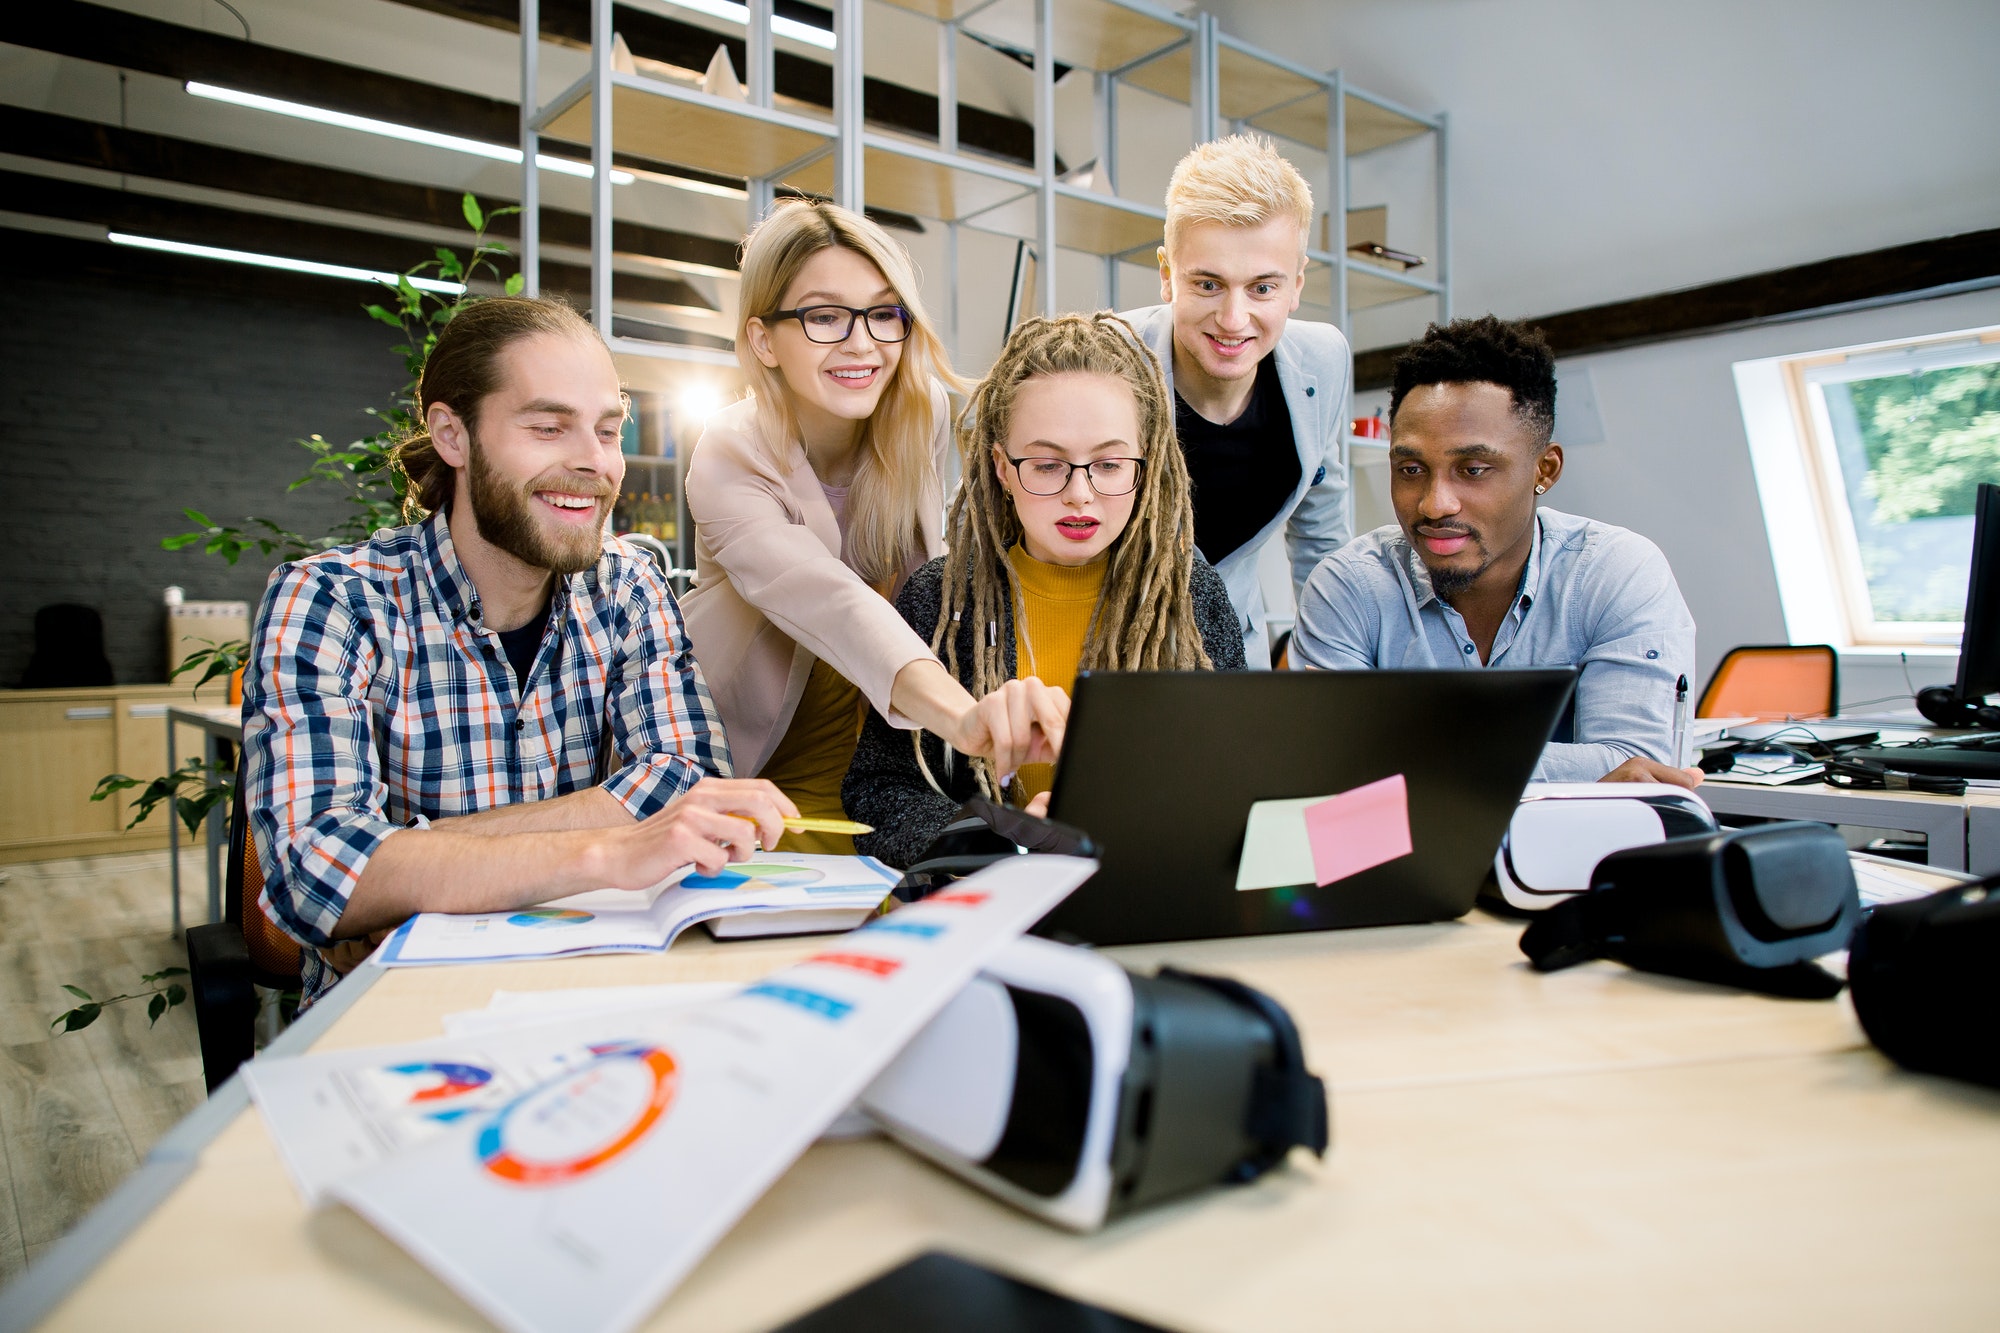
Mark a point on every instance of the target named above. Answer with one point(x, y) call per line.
point(1144, 620)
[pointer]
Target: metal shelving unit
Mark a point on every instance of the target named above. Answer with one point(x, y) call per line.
point(1226, 84)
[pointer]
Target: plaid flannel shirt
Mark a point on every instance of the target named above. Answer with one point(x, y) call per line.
point(376, 694)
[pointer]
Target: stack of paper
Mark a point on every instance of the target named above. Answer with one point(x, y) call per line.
point(567, 1176)
point(783, 892)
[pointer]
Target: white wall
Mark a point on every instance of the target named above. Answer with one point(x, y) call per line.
point(1602, 151)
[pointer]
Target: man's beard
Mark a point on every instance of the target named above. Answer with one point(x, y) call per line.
point(505, 518)
point(1448, 583)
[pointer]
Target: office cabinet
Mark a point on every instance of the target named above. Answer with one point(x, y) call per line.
point(56, 744)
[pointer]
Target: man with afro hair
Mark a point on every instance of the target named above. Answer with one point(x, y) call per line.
point(1475, 573)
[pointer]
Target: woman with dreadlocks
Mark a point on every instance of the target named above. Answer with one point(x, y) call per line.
point(1070, 548)
point(812, 499)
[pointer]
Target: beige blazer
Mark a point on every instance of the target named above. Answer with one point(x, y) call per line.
point(771, 592)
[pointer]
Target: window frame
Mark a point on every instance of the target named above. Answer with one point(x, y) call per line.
point(1805, 377)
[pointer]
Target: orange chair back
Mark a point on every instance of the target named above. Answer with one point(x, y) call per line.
point(1773, 682)
point(272, 951)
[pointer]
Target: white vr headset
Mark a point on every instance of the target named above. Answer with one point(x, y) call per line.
point(1078, 1091)
point(1563, 829)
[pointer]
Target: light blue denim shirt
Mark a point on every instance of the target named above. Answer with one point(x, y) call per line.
point(1592, 596)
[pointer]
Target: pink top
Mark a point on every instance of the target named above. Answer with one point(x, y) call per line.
point(772, 591)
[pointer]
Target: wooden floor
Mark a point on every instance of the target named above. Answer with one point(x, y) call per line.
point(79, 1111)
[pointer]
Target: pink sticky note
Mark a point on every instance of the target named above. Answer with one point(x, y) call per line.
point(1360, 829)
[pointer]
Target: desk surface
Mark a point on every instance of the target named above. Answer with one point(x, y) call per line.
point(224, 720)
point(1510, 1150)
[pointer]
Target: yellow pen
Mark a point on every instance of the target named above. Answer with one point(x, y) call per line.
point(818, 825)
point(827, 826)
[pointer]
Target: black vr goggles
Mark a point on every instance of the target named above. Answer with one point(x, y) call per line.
point(1743, 907)
point(1079, 1091)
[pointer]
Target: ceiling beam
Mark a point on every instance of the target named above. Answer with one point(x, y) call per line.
point(85, 143)
point(204, 224)
point(1828, 284)
point(131, 41)
point(114, 37)
point(42, 255)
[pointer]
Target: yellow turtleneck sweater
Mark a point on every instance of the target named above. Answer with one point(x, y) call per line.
point(1051, 619)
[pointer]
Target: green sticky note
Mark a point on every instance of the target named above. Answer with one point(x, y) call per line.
point(1276, 850)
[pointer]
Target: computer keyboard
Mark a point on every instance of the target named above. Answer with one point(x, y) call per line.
point(1975, 757)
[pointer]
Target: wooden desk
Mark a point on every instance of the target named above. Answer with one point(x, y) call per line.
point(1589, 1149)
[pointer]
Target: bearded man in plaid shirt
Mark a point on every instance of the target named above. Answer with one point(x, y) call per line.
point(497, 705)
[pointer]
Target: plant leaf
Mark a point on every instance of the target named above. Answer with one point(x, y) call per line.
point(515, 282)
point(112, 785)
point(175, 994)
point(154, 1008)
point(162, 975)
point(473, 217)
point(78, 991)
point(80, 1017)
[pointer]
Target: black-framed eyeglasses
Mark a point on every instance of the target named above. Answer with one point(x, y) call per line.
point(833, 323)
point(1050, 476)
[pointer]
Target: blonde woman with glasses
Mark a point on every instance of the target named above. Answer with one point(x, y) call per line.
point(1071, 549)
point(813, 500)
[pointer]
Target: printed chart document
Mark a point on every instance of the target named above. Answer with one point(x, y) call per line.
point(775, 884)
point(581, 1202)
point(334, 1114)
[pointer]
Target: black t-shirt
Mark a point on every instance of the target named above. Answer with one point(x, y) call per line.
point(522, 644)
point(1242, 472)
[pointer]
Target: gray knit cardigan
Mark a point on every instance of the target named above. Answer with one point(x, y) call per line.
point(884, 786)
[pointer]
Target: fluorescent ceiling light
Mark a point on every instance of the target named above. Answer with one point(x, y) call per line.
point(782, 27)
point(277, 261)
point(391, 130)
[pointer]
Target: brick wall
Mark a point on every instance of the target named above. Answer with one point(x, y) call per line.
point(132, 386)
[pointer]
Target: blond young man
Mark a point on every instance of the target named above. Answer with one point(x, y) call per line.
point(1258, 396)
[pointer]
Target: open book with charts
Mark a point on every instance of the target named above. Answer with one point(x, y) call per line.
point(775, 885)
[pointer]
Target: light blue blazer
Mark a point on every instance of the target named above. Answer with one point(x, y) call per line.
point(1314, 369)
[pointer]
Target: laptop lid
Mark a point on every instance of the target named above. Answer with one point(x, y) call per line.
point(1161, 769)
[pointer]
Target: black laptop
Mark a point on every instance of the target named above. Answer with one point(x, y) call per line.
point(1161, 769)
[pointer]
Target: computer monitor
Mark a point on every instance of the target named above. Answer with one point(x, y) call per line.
point(1979, 649)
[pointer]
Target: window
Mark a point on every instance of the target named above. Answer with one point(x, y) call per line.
point(1891, 443)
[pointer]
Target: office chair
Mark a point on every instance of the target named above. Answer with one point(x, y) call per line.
point(229, 959)
point(1773, 682)
point(69, 649)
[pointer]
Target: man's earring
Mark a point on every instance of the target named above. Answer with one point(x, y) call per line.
point(1540, 489)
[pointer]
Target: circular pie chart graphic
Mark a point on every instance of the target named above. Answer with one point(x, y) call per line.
point(549, 916)
point(756, 875)
point(581, 1120)
point(451, 1080)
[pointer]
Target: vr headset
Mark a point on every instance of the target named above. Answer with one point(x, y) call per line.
point(1924, 979)
point(1078, 1091)
point(1563, 829)
point(1745, 907)
point(979, 833)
